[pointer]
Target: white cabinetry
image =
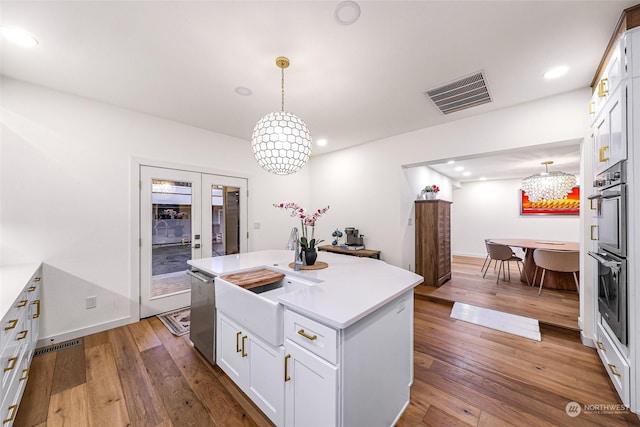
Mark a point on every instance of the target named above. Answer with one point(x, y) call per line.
point(609, 129)
point(360, 375)
point(254, 365)
point(18, 337)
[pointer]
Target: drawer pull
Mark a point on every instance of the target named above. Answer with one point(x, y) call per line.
point(22, 335)
point(603, 157)
point(592, 107)
point(307, 336)
point(37, 304)
point(11, 364)
point(25, 374)
point(244, 353)
point(22, 303)
point(12, 414)
point(600, 346)
point(593, 227)
point(31, 288)
point(602, 91)
point(613, 370)
point(12, 324)
point(238, 349)
point(37, 279)
point(286, 368)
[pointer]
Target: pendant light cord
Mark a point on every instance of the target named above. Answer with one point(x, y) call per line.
point(282, 82)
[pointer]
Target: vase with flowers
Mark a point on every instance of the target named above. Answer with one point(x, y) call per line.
point(308, 241)
point(430, 192)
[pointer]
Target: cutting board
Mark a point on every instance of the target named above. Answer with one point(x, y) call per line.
point(251, 279)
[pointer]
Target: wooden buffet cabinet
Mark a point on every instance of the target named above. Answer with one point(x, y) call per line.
point(433, 241)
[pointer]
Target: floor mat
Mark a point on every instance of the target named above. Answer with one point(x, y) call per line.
point(498, 320)
point(178, 321)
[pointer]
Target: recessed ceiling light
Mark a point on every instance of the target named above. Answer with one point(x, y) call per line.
point(466, 173)
point(243, 91)
point(459, 168)
point(346, 12)
point(321, 142)
point(556, 72)
point(19, 36)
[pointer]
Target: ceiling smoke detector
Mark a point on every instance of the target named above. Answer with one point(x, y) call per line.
point(461, 94)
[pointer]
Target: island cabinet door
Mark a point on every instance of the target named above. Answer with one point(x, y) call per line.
point(266, 378)
point(311, 389)
point(231, 339)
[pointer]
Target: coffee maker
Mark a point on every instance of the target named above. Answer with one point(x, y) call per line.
point(354, 238)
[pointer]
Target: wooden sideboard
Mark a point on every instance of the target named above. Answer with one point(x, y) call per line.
point(433, 241)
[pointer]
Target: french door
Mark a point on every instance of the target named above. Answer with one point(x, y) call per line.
point(185, 215)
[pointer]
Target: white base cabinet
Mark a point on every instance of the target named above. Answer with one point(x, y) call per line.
point(18, 337)
point(254, 365)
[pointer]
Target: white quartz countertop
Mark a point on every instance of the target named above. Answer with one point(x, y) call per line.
point(346, 291)
point(13, 279)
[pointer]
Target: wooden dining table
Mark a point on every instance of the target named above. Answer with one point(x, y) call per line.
point(552, 279)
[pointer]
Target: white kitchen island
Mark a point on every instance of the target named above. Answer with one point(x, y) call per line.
point(345, 355)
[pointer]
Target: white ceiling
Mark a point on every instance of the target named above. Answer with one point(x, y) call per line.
point(352, 84)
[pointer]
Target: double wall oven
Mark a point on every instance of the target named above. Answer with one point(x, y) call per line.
point(610, 203)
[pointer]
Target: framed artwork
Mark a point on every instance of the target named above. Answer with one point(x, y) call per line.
point(570, 205)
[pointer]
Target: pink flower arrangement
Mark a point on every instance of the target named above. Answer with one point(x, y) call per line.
point(431, 189)
point(306, 219)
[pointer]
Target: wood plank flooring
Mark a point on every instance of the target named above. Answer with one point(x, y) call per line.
point(465, 375)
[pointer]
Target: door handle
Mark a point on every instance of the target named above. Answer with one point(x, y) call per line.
point(286, 369)
point(244, 353)
point(196, 246)
point(238, 350)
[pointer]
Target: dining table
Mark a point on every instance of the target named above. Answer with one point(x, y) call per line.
point(552, 279)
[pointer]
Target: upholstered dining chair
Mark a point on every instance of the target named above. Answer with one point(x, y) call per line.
point(487, 258)
point(561, 261)
point(503, 253)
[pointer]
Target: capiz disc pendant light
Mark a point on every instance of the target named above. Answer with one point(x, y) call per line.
point(281, 141)
point(548, 185)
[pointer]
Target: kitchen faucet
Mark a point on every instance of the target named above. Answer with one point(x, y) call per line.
point(294, 244)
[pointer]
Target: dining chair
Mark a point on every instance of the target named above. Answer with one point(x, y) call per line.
point(504, 253)
point(554, 260)
point(487, 258)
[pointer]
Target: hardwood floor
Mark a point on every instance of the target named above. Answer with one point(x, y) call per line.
point(465, 375)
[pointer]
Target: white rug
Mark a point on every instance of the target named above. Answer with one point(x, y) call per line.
point(498, 320)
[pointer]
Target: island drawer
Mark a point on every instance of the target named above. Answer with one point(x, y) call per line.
point(311, 335)
point(615, 364)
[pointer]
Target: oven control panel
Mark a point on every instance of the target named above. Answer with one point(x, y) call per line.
point(615, 175)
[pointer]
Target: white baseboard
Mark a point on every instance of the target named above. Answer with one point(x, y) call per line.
point(78, 333)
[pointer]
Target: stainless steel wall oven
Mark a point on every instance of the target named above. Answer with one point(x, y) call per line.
point(611, 208)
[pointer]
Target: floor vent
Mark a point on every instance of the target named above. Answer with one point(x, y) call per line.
point(465, 93)
point(56, 347)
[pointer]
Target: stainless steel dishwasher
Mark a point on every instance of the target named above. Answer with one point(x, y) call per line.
point(203, 314)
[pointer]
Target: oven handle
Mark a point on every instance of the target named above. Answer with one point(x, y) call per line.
point(607, 263)
point(595, 197)
point(611, 194)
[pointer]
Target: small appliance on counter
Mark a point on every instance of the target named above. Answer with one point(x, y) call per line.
point(355, 240)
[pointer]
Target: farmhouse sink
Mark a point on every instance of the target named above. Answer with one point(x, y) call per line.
point(257, 308)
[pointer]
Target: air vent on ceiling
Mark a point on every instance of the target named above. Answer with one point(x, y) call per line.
point(461, 94)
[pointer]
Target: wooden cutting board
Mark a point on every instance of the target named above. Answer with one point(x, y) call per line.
point(251, 279)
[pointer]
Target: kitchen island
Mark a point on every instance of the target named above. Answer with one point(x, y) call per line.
point(345, 354)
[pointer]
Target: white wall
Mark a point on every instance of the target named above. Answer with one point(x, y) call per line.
point(66, 197)
point(491, 209)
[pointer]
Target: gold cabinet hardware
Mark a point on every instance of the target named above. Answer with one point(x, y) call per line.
point(11, 363)
point(603, 158)
point(22, 303)
point(25, 374)
point(600, 346)
point(593, 204)
point(603, 88)
point(613, 370)
point(307, 336)
point(593, 227)
point(244, 353)
point(12, 324)
point(31, 288)
point(22, 335)
point(238, 350)
point(37, 304)
point(37, 279)
point(12, 414)
point(286, 368)
point(592, 107)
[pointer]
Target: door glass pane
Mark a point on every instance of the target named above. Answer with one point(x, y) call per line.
point(171, 236)
point(225, 220)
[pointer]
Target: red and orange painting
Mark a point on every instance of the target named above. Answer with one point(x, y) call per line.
point(570, 205)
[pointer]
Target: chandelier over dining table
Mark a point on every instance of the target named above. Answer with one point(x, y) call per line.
point(548, 185)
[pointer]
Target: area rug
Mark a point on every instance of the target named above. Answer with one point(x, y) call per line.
point(177, 321)
point(498, 320)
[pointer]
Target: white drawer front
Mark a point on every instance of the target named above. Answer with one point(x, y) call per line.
point(614, 363)
point(315, 337)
